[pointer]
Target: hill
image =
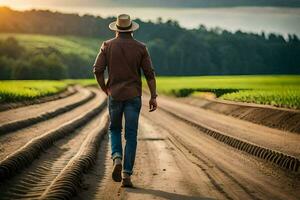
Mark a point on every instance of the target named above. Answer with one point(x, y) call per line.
point(66, 44)
point(74, 54)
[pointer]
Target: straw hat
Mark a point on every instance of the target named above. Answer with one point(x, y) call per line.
point(123, 24)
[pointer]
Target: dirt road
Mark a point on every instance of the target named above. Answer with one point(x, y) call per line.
point(67, 155)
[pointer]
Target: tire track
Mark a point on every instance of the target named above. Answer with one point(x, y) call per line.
point(188, 181)
point(16, 125)
point(25, 156)
point(33, 182)
point(183, 148)
point(280, 159)
point(232, 177)
point(179, 144)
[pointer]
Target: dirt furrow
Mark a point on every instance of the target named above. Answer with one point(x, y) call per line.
point(67, 183)
point(96, 178)
point(33, 182)
point(97, 183)
point(15, 140)
point(25, 155)
point(46, 115)
point(37, 109)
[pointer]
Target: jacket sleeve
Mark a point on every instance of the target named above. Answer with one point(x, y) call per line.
point(146, 65)
point(100, 62)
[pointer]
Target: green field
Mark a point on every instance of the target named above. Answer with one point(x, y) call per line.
point(22, 90)
point(13, 91)
point(281, 91)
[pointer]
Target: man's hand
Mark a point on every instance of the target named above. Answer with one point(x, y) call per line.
point(152, 105)
point(101, 81)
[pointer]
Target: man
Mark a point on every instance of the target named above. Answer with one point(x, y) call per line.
point(124, 57)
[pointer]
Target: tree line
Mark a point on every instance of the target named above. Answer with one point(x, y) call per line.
point(16, 62)
point(174, 50)
point(19, 62)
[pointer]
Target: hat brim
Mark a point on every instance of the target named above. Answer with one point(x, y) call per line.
point(135, 26)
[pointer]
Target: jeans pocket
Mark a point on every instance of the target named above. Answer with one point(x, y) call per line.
point(136, 102)
point(113, 104)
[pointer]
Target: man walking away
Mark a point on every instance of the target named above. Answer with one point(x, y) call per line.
point(124, 57)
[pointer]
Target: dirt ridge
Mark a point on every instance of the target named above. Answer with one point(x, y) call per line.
point(24, 156)
point(16, 125)
point(67, 182)
point(31, 182)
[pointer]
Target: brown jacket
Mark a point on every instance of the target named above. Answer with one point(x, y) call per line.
point(124, 57)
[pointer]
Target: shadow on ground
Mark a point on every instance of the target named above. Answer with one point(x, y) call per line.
point(165, 195)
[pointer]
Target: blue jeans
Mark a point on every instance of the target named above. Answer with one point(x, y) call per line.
point(131, 110)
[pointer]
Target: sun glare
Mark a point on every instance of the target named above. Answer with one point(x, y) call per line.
point(17, 4)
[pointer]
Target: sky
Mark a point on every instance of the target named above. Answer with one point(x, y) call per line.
point(250, 19)
point(23, 4)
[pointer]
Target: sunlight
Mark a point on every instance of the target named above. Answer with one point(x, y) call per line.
point(17, 4)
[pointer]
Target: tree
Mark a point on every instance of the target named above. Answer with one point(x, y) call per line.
point(6, 65)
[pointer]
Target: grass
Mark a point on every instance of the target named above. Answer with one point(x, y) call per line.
point(21, 90)
point(14, 91)
point(279, 90)
point(82, 82)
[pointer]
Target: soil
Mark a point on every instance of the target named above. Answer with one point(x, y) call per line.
point(175, 160)
point(15, 140)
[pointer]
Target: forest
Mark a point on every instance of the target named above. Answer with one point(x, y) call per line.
point(174, 50)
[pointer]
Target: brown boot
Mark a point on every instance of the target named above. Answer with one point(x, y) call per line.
point(126, 180)
point(116, 174)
